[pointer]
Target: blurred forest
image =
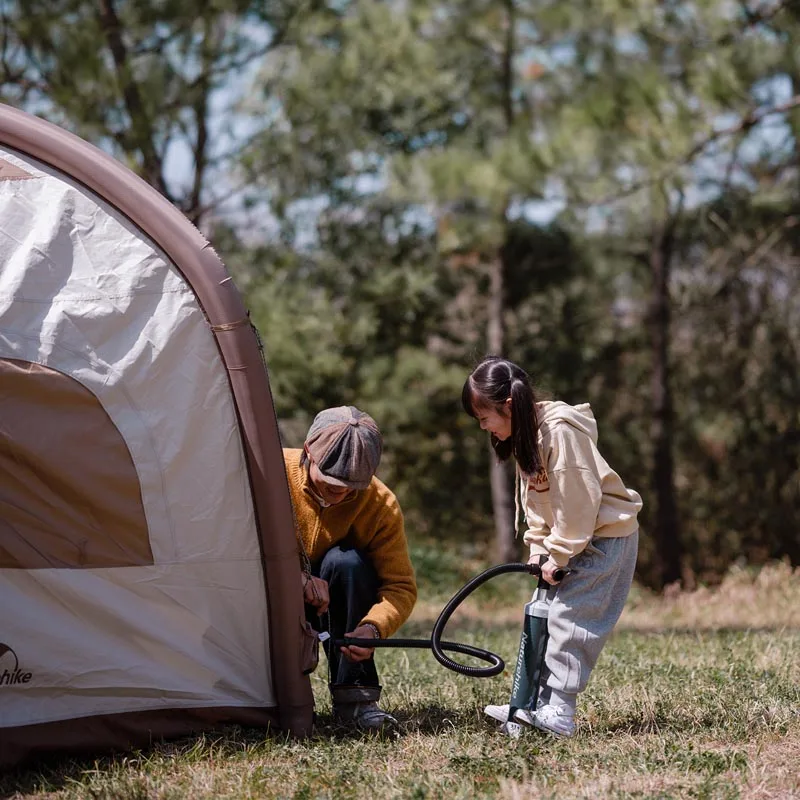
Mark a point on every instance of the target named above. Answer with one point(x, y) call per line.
point(605, 191)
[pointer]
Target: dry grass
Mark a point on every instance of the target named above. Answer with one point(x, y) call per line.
point(746, 599)
point(696, 696)
point(774, 770)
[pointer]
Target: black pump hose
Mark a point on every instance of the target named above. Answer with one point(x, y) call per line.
point(436, 644)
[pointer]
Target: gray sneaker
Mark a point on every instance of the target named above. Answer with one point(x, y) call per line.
point(366, 716)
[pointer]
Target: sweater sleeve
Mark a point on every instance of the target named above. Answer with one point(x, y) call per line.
point(397, 590)
point(576, 495)
point(538, 528)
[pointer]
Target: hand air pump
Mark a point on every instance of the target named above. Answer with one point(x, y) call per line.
point(532, 647)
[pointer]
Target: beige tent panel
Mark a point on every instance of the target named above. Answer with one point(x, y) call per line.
point(134, 639)
point(77, 504)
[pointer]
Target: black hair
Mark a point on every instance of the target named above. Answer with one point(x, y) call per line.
point(491, 383)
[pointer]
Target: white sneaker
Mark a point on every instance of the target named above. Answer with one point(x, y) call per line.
point(558, 720)
point(500, 713)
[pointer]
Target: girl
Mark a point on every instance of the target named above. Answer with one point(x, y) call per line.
point(579, 515)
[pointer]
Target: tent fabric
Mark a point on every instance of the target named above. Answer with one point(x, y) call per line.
point(76, 505)
point(146, 533)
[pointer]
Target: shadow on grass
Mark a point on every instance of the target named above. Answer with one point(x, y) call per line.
point(52, 772)
point(432, 720)
point(46, 774)
point(659, 722)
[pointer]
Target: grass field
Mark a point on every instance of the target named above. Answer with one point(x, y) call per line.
point(697, 695)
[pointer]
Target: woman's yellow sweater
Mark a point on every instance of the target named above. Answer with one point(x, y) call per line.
point(370, 521)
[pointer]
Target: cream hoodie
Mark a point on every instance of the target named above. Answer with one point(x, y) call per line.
point(578, 495)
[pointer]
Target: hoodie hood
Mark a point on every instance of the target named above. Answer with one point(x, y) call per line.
point(579, 417)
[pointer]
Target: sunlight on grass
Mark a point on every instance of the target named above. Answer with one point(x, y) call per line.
point(696, 696)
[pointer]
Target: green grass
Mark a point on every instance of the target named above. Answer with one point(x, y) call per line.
point(688, 700)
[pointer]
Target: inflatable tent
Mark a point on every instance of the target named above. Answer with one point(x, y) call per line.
point(149, 574)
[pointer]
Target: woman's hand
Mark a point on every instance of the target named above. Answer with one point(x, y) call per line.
point(315, 593)
point(353, 653)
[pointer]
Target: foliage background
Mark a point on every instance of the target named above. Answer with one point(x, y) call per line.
point(607, 193)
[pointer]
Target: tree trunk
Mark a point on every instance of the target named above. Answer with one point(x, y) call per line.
point(666, 531)
point(499, 473)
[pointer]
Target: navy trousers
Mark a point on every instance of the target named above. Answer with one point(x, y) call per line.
point(353, 588)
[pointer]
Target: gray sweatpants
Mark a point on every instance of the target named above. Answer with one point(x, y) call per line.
point(585, 607)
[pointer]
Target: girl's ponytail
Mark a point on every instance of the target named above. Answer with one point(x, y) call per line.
point(525, 426)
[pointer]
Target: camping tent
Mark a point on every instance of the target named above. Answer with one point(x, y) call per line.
point(149, 576)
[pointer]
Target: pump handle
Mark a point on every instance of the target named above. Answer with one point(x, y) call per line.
point(559, 574)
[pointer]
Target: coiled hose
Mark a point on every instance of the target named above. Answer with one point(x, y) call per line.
point(436, 644)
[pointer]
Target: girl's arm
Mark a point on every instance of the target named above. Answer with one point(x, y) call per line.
point(575, 495)
point(536, 533)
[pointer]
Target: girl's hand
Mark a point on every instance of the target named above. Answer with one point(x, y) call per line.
point(549, 569)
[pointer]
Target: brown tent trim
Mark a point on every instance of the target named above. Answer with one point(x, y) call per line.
point(223, 305)
point(127, 731)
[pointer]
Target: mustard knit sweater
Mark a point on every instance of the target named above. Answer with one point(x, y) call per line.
point(372, 522)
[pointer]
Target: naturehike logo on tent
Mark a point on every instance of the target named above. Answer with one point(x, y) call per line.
point(10, 673)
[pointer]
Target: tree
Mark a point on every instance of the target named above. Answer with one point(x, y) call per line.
point(149, 81)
